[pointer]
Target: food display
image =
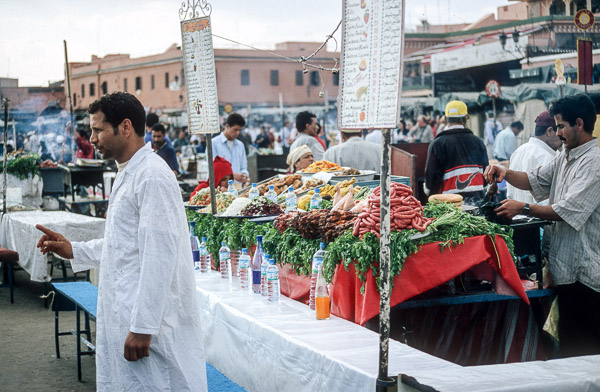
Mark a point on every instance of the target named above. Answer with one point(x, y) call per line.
point(316, 224)
point(406, 212)
point(454, 199)
point(261, 206)
point(349, 172)
point(280, 185)
point(48, 163)
point(201, 198)
point(236, 206)
point(222, 200)
point(309, 184)
point(322, 166)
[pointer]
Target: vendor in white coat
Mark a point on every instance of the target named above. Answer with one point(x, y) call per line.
point(148, 326)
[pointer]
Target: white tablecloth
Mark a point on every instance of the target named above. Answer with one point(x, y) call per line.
point(282, 347)
point(18, 233)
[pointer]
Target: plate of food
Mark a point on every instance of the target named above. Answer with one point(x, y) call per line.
point(350, 173)
point(321, 166)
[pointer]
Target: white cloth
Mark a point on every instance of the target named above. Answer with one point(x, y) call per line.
point(311, 142)
point(146, 283)
point(18, 233)
point(505, 144)
point(356, 153)
point(529, 156)
point(374, 137)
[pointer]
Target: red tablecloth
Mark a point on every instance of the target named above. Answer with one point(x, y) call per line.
point(423, 271)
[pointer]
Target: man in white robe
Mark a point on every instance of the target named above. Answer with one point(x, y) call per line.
point(148, 335)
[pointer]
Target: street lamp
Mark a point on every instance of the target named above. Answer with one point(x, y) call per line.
point(515, 36)
point(502, 39)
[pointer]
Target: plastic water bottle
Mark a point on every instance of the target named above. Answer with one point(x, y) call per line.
point(263, 274)
point(273, 281)
point(204, 257)
point(231, 189)
point(195, 246)
point(316, 262)
point(322, 296)
point(271, 195)
point(315, 200)
point(225, 261)
point(253, 192)
point(256, 262)
point(291, 201)
point(244, 267)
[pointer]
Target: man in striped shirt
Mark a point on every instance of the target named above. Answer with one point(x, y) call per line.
point(571, 181)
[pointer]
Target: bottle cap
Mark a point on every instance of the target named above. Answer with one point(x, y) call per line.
point(267, 256)
point(317, 190)
point(271, 187)
point(254, 184)
point(230, 182)
point(192, 223)
point(203, 239)
point(222, 243)
point(244, 250)
point(259, 238)
point(291, 189)
point(322, 245)
point(271, 261)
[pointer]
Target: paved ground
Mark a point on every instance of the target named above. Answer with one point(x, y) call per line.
point(27, 356)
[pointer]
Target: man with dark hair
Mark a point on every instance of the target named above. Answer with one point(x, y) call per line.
point(506, 141)
point(456, 158)
point(162, 148)
point(306, 124)
point(571, 182)
point(226, 146)
point(538, 151)
point(148, 334)
point(491, 130)
point(152, 120)
point(355, 152)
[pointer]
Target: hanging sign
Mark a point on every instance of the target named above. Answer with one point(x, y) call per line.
point(492, 89)
point(201, 78)
point(584, 19)
point(371, 64)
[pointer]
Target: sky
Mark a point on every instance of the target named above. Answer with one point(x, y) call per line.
point(32, 31)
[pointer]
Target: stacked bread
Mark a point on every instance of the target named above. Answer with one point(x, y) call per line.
point(452, 198)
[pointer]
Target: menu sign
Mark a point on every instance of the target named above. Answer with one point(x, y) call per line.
point(200, 76)
point(371, 64)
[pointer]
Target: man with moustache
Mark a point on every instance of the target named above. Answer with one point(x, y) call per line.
point(148, 333)
point(161, 147)
point(306, 123)
point(571, 182)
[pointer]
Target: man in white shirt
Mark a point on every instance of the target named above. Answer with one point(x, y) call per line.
point(538, 151)
point(148, 333)
point(355, 153)
point(286, 132)
point(492, 129)
point(306, 123)
point(226, 146)
point(506, 141)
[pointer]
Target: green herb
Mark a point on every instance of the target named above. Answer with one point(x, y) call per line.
point(23, 167)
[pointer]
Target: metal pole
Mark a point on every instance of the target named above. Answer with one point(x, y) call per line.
point(494, 109)
point(5, 153)
point(383, 381)
point(68, 80)
point(211, 174)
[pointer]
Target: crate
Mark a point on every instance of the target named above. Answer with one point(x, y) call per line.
point(376, 183)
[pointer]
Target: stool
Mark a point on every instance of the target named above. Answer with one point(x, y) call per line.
point(10, 258)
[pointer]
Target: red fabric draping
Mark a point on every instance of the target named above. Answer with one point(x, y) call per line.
point(423, 271)
point(294, 286)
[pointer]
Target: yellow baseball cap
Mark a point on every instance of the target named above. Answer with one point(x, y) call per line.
point(456, 109)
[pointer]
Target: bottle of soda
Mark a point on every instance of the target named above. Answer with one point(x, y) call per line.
point(291, 201)
point(253, 192)
point(273, 281)
point(263, 275)
point(204, 257)
point(322, 296)
point(271, 195)
point(256, 262)
point(315, 200)
point(244, 267)
point(195, 246)
point(316, 262)
point(225, 261)
point(231, 189)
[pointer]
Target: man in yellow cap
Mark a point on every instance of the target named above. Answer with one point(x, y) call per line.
point(457, 158)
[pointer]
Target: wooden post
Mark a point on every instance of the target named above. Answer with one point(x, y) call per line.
point(211, 174)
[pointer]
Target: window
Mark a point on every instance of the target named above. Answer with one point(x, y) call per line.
point(74, 99)
point(152, 82)
point(299, 78)
point(82, 90)
point(166, 79)
point(92, 89)
point(125, 84)
point(274, 78)
point(336, 79)
point(245, 77)
point(104, 88)
point(314, 78)
point(138, 83)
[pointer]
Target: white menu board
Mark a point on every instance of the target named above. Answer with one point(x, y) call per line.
point(200, 76)
point(371, 64)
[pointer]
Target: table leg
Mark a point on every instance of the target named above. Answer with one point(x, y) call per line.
point(78, 344)
point(57, 306)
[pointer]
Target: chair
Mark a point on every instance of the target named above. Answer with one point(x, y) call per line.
point(10, 259)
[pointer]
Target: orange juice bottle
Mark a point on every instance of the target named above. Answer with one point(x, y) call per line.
point(321, 296)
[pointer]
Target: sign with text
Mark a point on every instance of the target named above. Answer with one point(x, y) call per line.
point(200, 76)
point(371, 64)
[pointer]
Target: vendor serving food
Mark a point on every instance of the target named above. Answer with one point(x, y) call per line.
point(223, 174)
point(300, 158)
